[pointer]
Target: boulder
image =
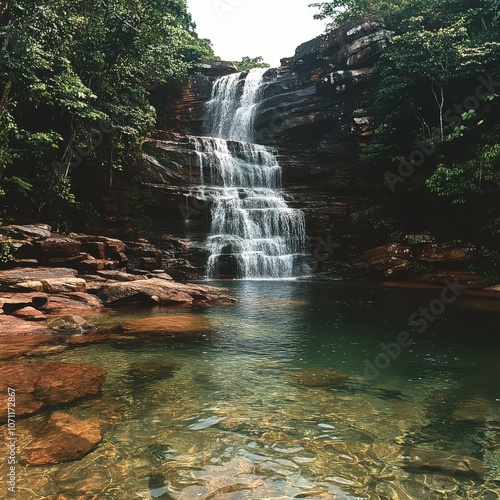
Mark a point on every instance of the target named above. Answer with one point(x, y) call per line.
point(319, 377)
point(446, 252)
point(10, 302)
point(118, 276)
point(96, 265)
point(159, 291)
point(439, 277)
point(30, 314)
point(62, 439)
point(442, 461)
point(10, 279)
point(387, 261)
point(71, 324)
point(59, 246)
point(168, 324)
point(62, 285)
point(29, 231)
point(19, 337)
point(75, 301)
point(51, 383)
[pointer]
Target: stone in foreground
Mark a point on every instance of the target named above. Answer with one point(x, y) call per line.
point(51, 383)
point(444, 462)
point(62, 439)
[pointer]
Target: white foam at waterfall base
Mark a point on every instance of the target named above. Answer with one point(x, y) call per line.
point(253, 231)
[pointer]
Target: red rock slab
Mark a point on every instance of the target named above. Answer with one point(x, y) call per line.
point(75, 301)
point(11, 277)
point(30, 314)
point(176, 323)
point(14, 301)
point(18, 337)
point(62, 439)
point(159, 291)
point(25, 405)
point(52, 383)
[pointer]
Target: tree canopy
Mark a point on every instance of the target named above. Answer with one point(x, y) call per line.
point(247, 63)
point(74, 84)
point(436, 109)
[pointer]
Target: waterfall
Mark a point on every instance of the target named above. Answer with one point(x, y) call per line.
point(254, 234)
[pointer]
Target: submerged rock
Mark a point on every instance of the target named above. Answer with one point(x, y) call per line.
point(319, 377)
point(172, 324)
point(442, 461)
point(50, 384)
point(62, 439)
point(69, 324)
point(18, 336)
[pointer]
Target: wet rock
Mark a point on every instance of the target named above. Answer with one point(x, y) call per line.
point(62, 439)
point(10, 279)
point(442, 461)
point(77, 301)
point(30, 314)
point(478, 409)
point(62, 285)
point(48, 350)
point(152, 370)
point(439, 277)
point(51, 383)
point(69, 324)
point(159, 291)
point(446, 252)
point(387, 261)
point(169, 324)
point(319, 377)
point(162, 452)
point(59, 246)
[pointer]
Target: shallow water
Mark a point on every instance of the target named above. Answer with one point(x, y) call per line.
point(227, 412)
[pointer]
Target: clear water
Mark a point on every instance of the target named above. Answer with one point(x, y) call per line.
point(219, 414)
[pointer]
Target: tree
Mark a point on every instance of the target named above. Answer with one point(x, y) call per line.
point(75, 79)
point(251, 62)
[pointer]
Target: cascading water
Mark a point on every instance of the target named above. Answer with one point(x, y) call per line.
point(254, 234)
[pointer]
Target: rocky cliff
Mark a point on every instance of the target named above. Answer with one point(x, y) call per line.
point(313, 113)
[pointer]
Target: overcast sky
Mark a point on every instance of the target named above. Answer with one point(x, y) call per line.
point(268, 28)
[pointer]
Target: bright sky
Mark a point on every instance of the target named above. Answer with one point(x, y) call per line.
point(268, 28)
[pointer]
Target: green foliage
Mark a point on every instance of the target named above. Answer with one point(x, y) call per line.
point(483, 266)
point(140, 195)
point(75, 79)
point(381, 224)
point(6, 252)
point(251, 62)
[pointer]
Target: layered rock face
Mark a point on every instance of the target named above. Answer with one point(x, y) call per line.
point(311, 112)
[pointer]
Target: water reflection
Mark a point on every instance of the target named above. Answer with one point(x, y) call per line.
point(270, 402)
